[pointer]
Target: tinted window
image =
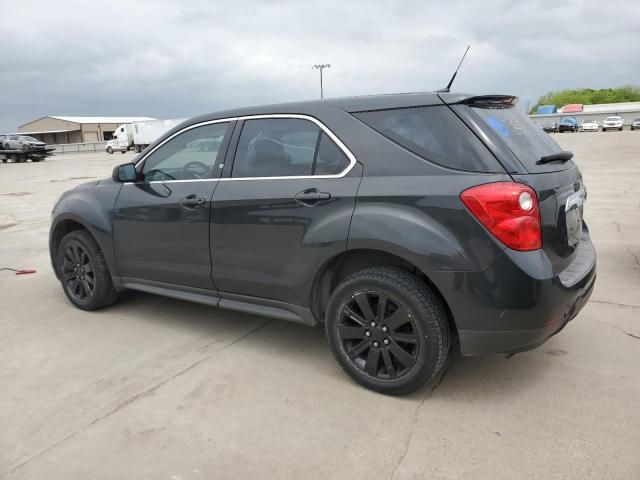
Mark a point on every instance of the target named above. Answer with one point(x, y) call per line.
point(433, 133)
point(191, 155)
point(276, 148)
point(330, 159)
point(520, 134)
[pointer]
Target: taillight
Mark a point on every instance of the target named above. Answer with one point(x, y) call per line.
point(509, 211)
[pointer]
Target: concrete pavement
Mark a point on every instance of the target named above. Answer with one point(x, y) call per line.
point(158, 388)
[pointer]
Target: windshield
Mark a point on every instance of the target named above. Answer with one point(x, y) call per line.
point(31, 139)
point(528, 142)
point(612, 119)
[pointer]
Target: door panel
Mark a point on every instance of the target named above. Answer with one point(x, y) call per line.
point(266, 243)
point(161, 223)
point(161, 232)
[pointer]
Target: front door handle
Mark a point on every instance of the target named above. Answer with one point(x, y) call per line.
point(191, 201)
point(311, 197)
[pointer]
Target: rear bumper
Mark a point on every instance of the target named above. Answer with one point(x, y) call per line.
point(518, 302)
point(478, 342)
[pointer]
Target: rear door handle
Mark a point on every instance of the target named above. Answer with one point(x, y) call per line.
point(311, 197)
point(191, 201)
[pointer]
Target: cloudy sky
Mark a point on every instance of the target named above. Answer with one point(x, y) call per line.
point(180, 58)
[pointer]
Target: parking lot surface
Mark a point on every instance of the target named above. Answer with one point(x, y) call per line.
point(158, 388)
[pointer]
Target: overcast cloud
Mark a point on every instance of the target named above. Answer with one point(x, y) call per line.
point(180, 58)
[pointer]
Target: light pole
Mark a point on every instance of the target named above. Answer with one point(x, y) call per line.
point(321, 67)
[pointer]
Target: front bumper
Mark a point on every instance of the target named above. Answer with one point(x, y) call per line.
point(611, 127)
point(518, 302)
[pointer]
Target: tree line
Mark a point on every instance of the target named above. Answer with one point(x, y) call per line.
point(587, 96)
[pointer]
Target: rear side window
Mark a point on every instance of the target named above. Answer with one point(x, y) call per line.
point(435, 134)
point(528, 142)
point(285, 147)
point(330, 160)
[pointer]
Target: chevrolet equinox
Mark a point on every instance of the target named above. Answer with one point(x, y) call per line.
point(400, 222)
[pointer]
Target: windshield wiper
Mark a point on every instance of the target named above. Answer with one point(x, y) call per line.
point(561, 156)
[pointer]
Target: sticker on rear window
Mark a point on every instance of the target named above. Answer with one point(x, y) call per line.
point(497, 125)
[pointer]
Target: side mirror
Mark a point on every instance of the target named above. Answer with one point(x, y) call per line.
point(125, 173)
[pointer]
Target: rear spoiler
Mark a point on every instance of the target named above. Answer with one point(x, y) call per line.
point(479, 100)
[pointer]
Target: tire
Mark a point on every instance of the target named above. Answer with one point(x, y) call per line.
point(110, 150)
point(79, 248)
point(412, 313)
point(620, 129)
point(123, 151)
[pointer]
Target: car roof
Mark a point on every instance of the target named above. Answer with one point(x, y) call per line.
point(348, 104)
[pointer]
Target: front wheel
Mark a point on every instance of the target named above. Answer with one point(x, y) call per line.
point(109, 150)
point(83, 271)
point(387, 330)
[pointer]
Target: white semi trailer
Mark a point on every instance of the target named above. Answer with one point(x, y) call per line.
point(139, 135)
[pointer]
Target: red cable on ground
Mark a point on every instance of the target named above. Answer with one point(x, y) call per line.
point(25, 271)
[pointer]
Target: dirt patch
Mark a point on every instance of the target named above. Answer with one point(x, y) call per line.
point(71, 178)
point(7, 221)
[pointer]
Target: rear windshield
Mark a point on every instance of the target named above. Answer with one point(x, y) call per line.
point(435, 134)
point(527, 142)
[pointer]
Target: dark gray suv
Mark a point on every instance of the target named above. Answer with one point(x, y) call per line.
point(402, 222)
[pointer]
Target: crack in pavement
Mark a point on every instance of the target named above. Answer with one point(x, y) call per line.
point(634, 256)
point(132, 399)
point(628, 305)
point(427, 394)
point(632, 335)
point(619, 227)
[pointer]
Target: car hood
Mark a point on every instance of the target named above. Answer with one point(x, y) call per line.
point(91, 183)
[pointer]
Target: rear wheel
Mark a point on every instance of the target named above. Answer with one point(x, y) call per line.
point(387, 330)
point(109, 150)
point(83, 272)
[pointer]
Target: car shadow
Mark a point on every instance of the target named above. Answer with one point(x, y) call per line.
point(464, 379)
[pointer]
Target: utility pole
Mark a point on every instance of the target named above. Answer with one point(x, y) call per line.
point(321, 67)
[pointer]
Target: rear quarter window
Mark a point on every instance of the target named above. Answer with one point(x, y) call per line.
point(435, 134)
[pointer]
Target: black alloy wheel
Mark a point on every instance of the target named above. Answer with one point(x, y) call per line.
point(77, 271)
point(83, 272)
point(387, 329)
point(378, 335)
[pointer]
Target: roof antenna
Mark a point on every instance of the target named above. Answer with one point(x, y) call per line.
point(453, 77)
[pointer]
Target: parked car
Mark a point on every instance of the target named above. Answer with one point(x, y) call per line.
point(635, 124)
point(612, 123)
point(400, 222)
point(589, 126)
point(550, 127)
point(22, 142)
point(114, 146)
point(568, 124)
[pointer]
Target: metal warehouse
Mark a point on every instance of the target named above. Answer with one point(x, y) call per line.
point(58, 130)
point(598, 112)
